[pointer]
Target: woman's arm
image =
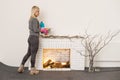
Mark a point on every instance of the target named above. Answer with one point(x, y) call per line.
point(35, 25)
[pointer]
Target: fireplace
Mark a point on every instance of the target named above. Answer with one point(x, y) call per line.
point(56, 58)
point(59, 54)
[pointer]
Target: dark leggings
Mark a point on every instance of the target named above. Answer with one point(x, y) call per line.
point(33, 42)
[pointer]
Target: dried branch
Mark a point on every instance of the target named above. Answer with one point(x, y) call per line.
point(60, 37)
point(106, 43)
point(82, 53)
point(94, 44)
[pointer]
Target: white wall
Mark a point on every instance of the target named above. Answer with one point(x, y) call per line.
point(64, 17)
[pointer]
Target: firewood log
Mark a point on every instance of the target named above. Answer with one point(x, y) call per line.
point(46, 64)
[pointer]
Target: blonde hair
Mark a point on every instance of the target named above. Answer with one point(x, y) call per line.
point(33, 11)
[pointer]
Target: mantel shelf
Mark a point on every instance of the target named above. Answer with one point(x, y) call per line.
point(61, 37)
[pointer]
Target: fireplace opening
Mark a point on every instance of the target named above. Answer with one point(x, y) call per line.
point(56, 58)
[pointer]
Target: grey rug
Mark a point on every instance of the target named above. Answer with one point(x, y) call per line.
point(10, 73)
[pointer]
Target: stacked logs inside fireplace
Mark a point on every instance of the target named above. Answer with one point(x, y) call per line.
point(51, 64)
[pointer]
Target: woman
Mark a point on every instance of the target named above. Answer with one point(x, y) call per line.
point(33, 41)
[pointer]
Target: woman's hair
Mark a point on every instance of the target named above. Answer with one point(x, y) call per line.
point(33, 11)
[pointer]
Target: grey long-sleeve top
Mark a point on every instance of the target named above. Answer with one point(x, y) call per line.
point(34, 26)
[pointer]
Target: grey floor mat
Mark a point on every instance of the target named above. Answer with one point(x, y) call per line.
point(10, 73)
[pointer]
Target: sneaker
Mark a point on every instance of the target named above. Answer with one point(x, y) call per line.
point(34, 71)
point(21, 69)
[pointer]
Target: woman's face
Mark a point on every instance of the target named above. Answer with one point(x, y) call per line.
point(36, 12)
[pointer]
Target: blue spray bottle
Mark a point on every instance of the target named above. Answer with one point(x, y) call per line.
point(42, 25)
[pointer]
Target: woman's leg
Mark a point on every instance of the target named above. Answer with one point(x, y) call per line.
point(34, 49)
point(26, 56)
point(21, 68)
point(28, 53)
